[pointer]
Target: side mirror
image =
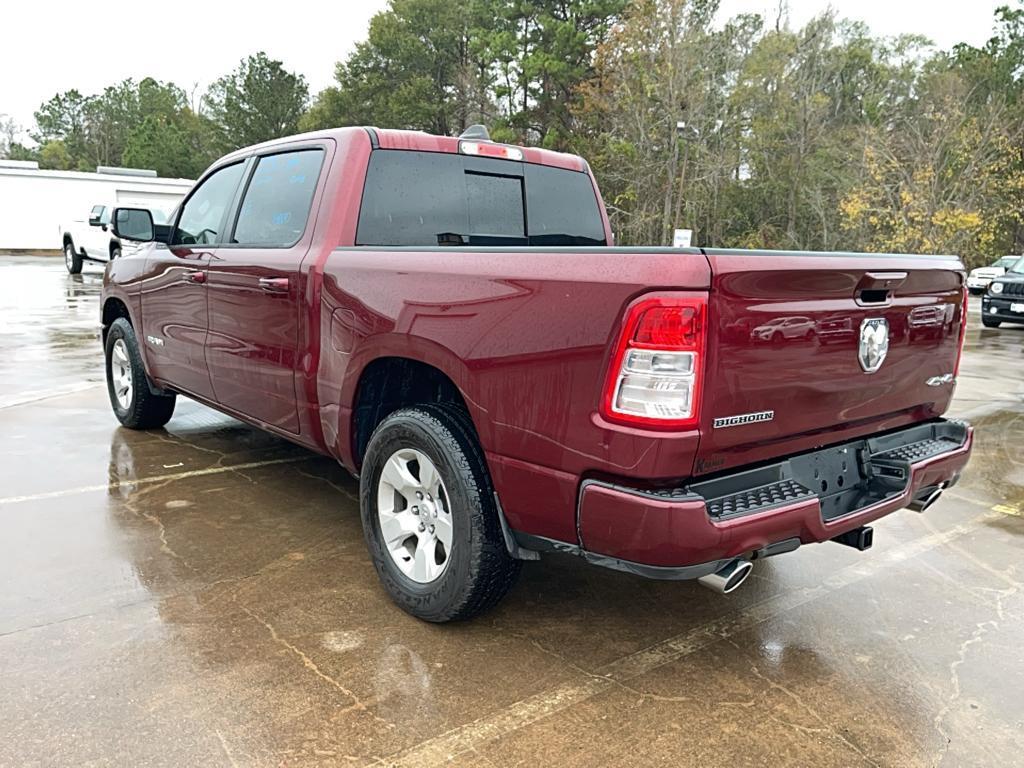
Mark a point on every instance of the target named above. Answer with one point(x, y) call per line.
point(133, 224)
point(94, 220)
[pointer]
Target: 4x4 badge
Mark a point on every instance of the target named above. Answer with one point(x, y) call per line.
point(874, 343)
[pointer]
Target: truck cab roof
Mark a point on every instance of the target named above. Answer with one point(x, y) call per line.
point(417, 141)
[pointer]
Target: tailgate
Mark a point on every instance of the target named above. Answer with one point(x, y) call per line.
point(784, 370)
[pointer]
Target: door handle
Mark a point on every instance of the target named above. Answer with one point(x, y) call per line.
point(194, 276)
point(274, 284)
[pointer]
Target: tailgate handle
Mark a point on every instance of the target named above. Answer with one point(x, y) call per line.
point(876, 288)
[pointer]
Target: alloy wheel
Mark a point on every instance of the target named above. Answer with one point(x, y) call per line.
point(121, 373)
point(414, 515)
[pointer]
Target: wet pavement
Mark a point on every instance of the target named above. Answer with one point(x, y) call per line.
point(201, 595)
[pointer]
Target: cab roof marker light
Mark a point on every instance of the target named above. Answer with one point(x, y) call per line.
point(486, 149)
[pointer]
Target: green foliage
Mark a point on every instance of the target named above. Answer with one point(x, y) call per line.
point(173, 147)
point(257, 102)
point(417, 69)
point(818, 138)
point(129, 124)
point(54, 156)
point(18, 151)
point(753, 135)
point(439, 66)
point(536, 53)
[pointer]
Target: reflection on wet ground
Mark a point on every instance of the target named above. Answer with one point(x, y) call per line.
point(201, 595)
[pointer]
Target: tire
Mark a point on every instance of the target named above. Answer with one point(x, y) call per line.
point(990, 323)
point(137, 407)
point(477, 570)
point(72, 259)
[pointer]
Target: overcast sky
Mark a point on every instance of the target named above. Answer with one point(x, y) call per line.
point(48, 47)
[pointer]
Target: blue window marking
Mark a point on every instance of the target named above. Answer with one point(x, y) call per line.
point(277, 202)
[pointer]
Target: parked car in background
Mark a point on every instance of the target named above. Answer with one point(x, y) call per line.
point(448, 318)
point(978, 280)
point(779, 329)
point(92, 239)
point(1004, 300)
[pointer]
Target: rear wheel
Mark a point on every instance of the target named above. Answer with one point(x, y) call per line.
point(135, 404)
point(989, 323)
point(429, 516)
point(72, 258)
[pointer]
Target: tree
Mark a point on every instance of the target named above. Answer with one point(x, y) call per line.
point(162, 145)
point(439, 66)
point(656, 118)
point(417, 69)
point(8, 130)
point(539, 51)
point(257, 102)
point(757, 137)
point(943, 179)
point(119, 127)
point(63, 118)
point(54, 156)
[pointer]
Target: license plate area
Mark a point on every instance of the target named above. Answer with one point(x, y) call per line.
point(1017, 307)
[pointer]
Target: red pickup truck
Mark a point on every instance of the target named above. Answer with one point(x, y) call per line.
point(449, 319)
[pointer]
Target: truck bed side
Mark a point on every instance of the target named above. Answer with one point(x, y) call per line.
point(524, 334)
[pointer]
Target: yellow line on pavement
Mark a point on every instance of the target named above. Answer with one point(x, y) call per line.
point(1008, 509)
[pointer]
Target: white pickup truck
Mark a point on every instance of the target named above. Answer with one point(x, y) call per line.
point(93, 239)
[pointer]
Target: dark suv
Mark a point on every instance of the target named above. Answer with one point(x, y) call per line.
point(1004, 300)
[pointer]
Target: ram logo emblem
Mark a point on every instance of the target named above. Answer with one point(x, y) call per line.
point(874, 343)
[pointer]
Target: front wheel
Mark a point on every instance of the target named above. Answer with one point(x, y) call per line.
point(72, 258)
point(990, 323)
point(429, 516)
point(135, 404)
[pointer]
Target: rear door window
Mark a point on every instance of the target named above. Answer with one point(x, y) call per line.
point(430, 198)
point(277, 200)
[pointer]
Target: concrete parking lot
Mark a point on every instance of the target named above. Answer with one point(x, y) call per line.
point(201, 595)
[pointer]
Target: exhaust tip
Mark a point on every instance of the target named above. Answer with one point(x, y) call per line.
point(728, 578)
point(926, 498)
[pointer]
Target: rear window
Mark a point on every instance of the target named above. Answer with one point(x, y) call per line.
point(430, 198)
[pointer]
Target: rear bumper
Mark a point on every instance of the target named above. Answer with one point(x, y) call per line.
point(690, 531)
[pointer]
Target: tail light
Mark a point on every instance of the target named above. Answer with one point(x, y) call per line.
point(655, 374)
point(963, 333)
